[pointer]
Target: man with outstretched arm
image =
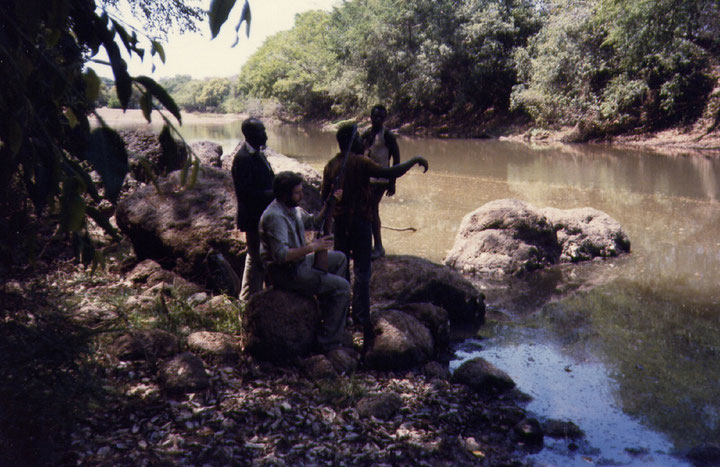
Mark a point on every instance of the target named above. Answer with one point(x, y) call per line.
point(289, 259)
point(353, 215)
point(381, 146)
point(253, 179)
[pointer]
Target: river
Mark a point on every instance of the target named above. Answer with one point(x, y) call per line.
point(626, 348)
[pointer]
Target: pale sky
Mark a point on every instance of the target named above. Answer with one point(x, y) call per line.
point(198, 56)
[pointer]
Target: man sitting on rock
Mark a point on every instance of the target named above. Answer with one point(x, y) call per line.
point(289, 259)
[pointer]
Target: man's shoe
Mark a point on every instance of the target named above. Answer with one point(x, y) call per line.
point(377, 253)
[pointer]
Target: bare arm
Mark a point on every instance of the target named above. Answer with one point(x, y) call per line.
point(399, 170)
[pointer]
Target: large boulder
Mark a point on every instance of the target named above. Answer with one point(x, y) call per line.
point(586, 233)
point(509, 237)
point(280, 326)
point(181, 227)
point(398, 280)
point(163, 153)
point(399, 341)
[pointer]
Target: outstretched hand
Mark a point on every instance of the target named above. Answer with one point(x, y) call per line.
point(421, 161)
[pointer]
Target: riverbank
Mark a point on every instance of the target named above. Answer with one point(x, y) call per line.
point(70, 400)
point(699, 139)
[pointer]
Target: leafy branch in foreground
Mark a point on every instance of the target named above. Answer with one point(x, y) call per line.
point(47, 148)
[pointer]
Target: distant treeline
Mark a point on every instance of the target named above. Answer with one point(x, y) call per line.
point(609, 65)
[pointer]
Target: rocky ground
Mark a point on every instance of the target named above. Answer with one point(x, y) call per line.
point(69, 399)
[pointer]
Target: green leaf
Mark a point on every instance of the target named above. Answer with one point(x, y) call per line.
point(184, 171)
point(146, 103)
point(106, 152)
point(244, 17)
point(102, 221)
point(75, 169)
point(247, 17)
point(72, 205)
point(123, 82)
point(71, 118)
point(157, 47)
point(147, 167)
point(219, 12)
point(129, 42)
point(161, 95)
point(92, 85)
point(194, 174)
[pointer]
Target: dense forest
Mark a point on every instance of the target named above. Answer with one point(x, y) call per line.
point(612, 66)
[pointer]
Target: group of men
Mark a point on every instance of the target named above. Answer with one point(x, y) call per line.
point(269, 213)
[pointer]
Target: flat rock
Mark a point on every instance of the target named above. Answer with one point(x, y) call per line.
point(383, 406)
point(213, 343)
point(141, 345)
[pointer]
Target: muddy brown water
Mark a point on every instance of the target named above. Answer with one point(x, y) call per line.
point(626, 348)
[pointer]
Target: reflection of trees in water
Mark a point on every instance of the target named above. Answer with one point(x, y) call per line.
point(663, 346)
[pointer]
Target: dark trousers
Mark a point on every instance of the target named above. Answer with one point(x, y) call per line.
point(353, 236)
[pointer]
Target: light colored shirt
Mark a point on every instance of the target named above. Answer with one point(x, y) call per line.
point(281, 229)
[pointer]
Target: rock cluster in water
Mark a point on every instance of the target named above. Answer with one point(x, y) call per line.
point(510, 237)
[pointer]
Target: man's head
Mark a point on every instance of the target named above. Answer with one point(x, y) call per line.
point(287, 188)
point(254, 132)
point(378, 114)
point(347, 135)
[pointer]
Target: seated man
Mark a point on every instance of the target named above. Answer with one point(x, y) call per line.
point(288, 258)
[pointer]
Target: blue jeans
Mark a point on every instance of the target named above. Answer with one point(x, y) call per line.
point(353, 236)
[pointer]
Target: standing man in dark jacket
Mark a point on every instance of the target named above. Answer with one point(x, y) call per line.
point(253, 180)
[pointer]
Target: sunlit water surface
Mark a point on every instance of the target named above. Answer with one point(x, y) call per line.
point(626, 348)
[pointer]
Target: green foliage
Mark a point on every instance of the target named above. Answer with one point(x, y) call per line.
point(294, 66)
point(429, 56)
point(619, 64)
point(191, 95)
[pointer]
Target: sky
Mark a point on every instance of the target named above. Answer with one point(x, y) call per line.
point(196, 55)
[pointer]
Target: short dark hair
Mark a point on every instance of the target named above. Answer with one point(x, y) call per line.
point(379, 107)
point(344, 135)
point(249, 124)
point(284, 183)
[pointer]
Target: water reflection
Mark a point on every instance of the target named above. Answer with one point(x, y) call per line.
point(567, 388)
point(648, 322)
